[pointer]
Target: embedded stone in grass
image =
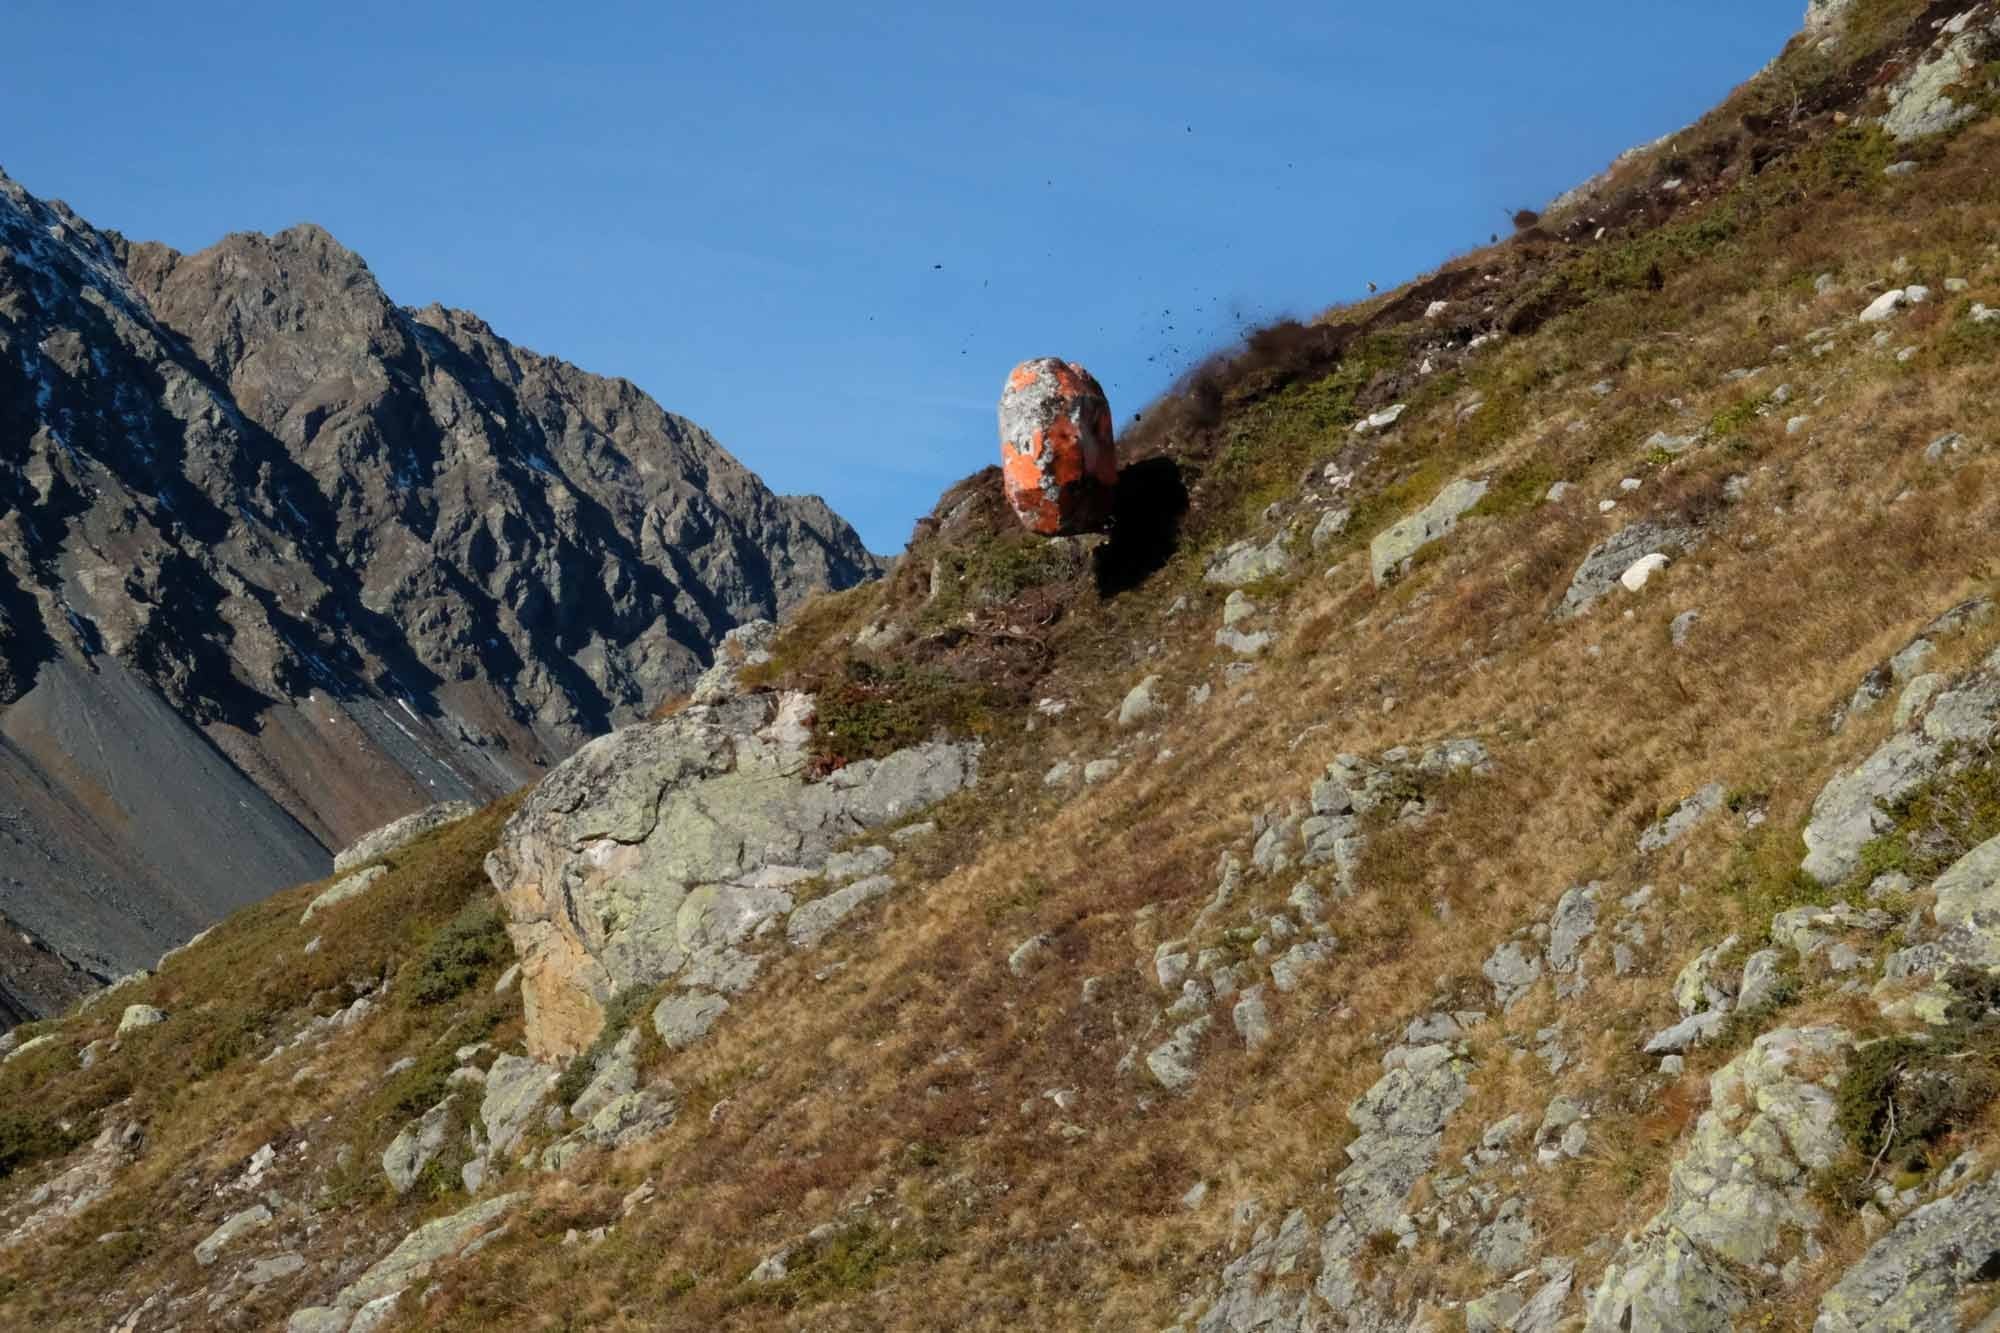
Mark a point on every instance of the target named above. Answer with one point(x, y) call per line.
point(236, 1226)
point(1172, 1061)
point(1885, 306)
point(685, 1018)
point(815, 920)
point(1249, 562)
point(1142, 704)
point(1393, 548)
point(1029, 956)
point(140, 1016)
point(343, 890)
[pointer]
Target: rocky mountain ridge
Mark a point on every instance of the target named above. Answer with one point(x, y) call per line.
point(280, 559)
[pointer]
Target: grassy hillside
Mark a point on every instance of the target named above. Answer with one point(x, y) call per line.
point(975, 1137)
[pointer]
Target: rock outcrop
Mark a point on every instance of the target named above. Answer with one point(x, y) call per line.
point(1913, 1277)
point(675, 849)
point(1853, 809)
point(1394, 547)
point(400, 833)
point(1738, 1192)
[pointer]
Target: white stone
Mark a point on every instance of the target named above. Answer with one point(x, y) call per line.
point(1883, 306)
point(1641, 570)
point(1382, 420)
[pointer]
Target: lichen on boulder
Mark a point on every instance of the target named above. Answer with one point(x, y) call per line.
point(662, 850)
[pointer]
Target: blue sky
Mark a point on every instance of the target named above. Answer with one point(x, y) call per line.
point(827, 232)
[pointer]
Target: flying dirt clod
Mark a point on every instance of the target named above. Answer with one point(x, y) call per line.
point(1056, 448)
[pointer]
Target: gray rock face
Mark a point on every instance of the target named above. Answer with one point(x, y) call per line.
point(1852, 809)
point(401, 833)
point(663, 850)
point(1395, 545)
point(1911, 1279)
point(1737, 1190)
point(1921, 102)
point(416, 1147)
point(311, 560)
point(1968, 906)
point(515, 1090)
point(1606, 564)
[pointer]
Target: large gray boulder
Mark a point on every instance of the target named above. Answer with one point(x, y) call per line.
point(1737, 1190)
point(1607, 562)
point(1392, 548)
point(1911, 1279)
point(671, 850)
point(401, 833)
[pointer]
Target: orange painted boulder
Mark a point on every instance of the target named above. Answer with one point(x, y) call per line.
point(1056, 450)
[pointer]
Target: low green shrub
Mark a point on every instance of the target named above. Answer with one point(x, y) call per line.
point(459, 954)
